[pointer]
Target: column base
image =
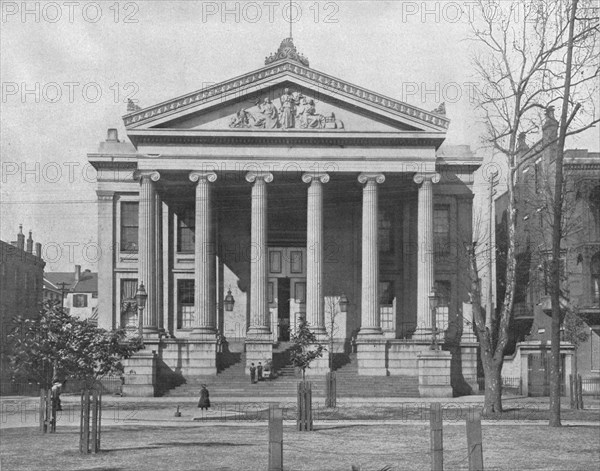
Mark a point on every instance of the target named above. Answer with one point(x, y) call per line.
point(140, 374)
point(424, 334)
point(258, 351)
point(434, 373)
point(370, 355)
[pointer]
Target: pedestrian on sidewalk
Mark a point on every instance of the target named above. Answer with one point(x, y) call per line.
point(204, 402)
point(260, 370)
point(252, 373)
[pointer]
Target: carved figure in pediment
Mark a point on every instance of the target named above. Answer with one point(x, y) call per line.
point(245, 119)
point(269, 111)
point(307, 115)
point(288, 109)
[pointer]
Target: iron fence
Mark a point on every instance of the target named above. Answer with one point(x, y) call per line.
point(108, 385)
point(510, 384)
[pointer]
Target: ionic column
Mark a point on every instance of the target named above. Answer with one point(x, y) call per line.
point(260, 327)
point(315, 312)
point(425, 268)
point(370, 315)
point(147, 251)
point(204, 260)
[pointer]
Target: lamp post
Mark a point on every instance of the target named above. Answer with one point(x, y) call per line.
point(433, 302)
point(140, 297)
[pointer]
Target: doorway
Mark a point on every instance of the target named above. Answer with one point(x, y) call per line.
point(283, 309)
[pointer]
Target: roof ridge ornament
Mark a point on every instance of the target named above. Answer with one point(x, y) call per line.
point(287, 50)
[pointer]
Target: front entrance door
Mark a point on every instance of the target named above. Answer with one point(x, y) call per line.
point(283, 309)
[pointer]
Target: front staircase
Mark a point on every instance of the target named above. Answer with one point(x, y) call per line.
point(232, 381)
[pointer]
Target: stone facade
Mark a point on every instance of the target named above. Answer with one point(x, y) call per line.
point(289, 206)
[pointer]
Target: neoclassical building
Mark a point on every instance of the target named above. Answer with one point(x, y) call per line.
point(281, 193)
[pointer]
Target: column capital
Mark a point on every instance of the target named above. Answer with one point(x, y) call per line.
point(421, 177)
point(203, 176)
point(151, 174)
point(316, 177)
point(367, 177)
point(253, 176)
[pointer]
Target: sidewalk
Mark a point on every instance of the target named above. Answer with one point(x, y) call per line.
point(19, 412)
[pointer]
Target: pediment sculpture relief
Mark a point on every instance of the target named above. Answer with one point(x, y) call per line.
point(295, 111)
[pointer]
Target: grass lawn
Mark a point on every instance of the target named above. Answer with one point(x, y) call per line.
point(335, 447)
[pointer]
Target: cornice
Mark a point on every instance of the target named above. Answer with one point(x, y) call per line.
point(320, 79)
point(290, 139)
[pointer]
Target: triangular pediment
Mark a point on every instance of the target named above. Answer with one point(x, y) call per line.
point(286, 96)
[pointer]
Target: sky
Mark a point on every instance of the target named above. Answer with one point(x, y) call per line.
point(67, 70)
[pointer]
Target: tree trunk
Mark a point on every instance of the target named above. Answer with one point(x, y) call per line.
point(493, 387)
point(555, 372)
point(557, 230)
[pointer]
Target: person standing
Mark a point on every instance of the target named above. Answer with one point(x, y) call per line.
point(204, 402)
point(252, 373)
point(260, 370)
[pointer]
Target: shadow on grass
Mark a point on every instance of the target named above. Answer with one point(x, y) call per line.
point(155, 446)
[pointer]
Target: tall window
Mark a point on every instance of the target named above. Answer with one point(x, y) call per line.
point(185, 304)
point(596, 278)
point(386, 234)
point(129, 311)
point(443, 290)
point(441, 230)
point(129, 226)
point(185, 230)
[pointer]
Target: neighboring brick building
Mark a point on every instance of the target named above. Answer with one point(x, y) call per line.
point(21, 275)
point(580, 257)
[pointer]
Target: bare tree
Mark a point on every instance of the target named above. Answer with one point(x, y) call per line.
point(520, 50)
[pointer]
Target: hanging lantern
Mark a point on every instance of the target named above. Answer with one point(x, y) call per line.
point(343, 302)
point(229, 301)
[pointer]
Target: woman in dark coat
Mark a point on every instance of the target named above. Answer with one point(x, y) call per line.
point(204, 402)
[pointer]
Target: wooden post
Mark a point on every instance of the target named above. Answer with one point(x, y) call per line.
point(474, 439)
point(86, 421)
point(42, 411)
point(331, 390)
point(81, 448)
point(580, 392)
point(99, 417)
point(275, 439)
point(94, 421)
point(571, 396)
point(304, 421)
point(436, 436)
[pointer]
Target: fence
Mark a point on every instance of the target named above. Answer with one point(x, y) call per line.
point(591, 387)
point(108, 384)
point(510, 384)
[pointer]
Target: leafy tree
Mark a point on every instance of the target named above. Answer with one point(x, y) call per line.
point(305, 348)
point(55, 345)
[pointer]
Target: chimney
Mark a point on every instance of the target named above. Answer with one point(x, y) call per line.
point(550, 127)
point(21, 238)
point(30, 244)
point(77, 272)
point(38, 249)
point(113, 135)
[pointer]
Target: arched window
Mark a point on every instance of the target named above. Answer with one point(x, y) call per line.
point(596, 278)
